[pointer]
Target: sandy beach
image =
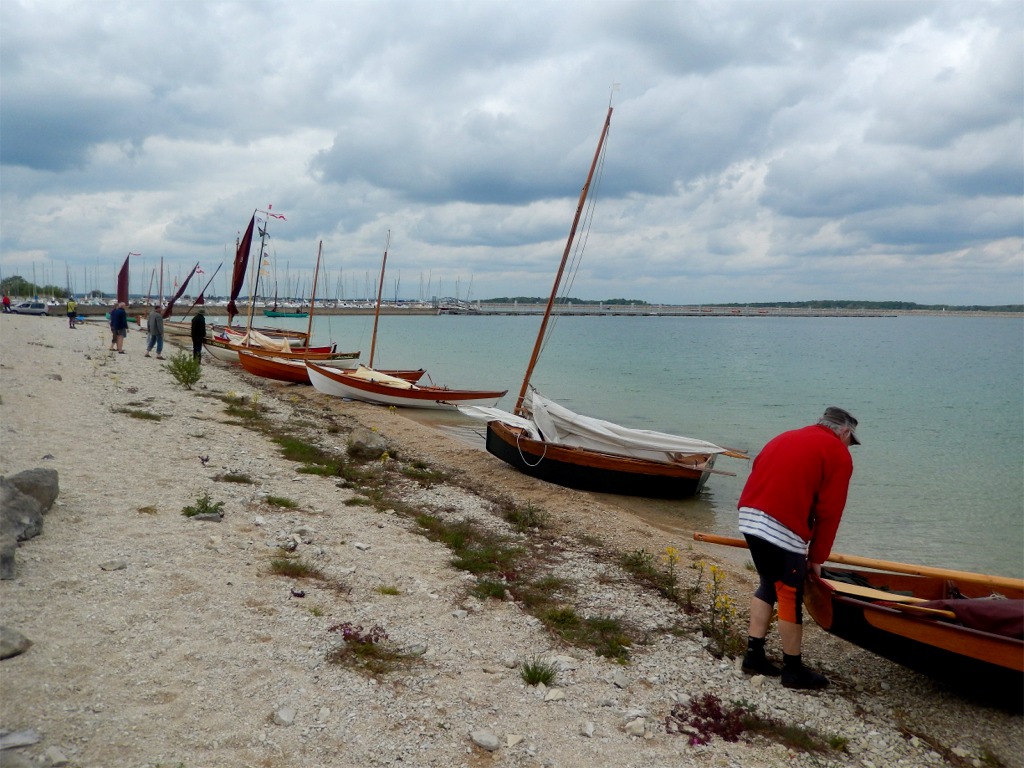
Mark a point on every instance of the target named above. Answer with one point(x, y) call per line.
point(160, 640)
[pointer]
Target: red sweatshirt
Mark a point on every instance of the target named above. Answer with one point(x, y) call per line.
point(801, 478)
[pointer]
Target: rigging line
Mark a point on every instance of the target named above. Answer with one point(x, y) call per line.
point(580, 246)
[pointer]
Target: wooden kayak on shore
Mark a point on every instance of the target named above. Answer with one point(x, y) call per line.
point(960, 628)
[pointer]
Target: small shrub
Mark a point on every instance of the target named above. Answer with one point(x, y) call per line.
point(204, 506)
point(184, 368)
point(388, 590)
point(489, 589)
point(136, 413)
point(526, 518)
point(706, 717)
point(295, 567)
point(538, 671)
point(642, 566)
point(368, 650)
point(281, 501)
point(234, 477)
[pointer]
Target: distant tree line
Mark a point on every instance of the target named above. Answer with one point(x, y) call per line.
point(562, 300)
point(16, 285)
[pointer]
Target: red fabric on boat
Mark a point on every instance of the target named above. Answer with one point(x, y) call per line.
point(998, 616)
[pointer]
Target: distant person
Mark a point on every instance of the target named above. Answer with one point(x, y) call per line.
point(119, 326)
point(7, 303)
point(198, 334)
point(155, 329)
point(72, 311)
point(790, 510)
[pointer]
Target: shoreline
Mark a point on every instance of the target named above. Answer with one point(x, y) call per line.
point(93, 311)
point(190, 652)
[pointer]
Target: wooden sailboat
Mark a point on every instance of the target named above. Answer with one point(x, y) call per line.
point(384, 388)
point(290, 366)
point(550, 442)
point(963, 629)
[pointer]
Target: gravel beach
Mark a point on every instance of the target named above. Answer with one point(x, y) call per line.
point(161, 640)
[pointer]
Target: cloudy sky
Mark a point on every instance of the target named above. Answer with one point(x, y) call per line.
point(759, 151)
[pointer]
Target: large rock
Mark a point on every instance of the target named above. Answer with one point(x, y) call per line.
point(366, 445)
point(24, 498)
point(12, 642)
point(21, 515)
point(41, 484)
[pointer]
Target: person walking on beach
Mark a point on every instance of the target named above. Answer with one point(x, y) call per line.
point(119, 326)
point(72, 311)
point(155, 329)
point(198, 334)
point(789, 512)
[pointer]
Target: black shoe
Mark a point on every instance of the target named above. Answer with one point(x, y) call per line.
point(803, 678)
point(757, 664)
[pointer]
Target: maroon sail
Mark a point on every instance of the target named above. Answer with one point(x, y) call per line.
point(241, 264)
point(181, 290)
point(122, 282)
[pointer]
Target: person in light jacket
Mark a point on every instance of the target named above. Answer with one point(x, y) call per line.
point(155, 329)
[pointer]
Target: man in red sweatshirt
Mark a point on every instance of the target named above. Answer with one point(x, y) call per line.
point(790, 510)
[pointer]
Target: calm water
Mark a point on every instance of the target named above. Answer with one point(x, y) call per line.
point(939, 479)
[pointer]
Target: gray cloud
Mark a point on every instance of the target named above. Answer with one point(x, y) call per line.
point(758, 150)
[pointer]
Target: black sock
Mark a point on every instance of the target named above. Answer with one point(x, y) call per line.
point(755, 644)
point(792, 662)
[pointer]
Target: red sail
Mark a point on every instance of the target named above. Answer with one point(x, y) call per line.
point(122, 282)
point(181, 290)
point(241, 264)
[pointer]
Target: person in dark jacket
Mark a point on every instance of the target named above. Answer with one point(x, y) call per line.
point(198, 334)
point(789, 512)
point(119, 326)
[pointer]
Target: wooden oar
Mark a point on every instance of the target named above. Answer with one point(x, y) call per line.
point(997, 582)
point(871, 593)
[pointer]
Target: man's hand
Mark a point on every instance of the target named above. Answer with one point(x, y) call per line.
point(815, 568)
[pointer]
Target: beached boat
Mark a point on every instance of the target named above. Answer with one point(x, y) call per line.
point(290, 366)
point(372, 386)
point(960, 628)
point(227, 351)
point(293, 369)
point(379, 387)
point(550, 442)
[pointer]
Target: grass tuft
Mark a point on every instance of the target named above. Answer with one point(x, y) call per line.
point(296, 568)
point(204, 506)
point(538, 671)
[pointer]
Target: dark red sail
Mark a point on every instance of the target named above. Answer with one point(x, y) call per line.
point(122, 282)
point(241, 264)
point(181, 290)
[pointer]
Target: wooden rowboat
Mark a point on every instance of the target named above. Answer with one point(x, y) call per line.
point(376, 387)
point(948, 629)
point(227, 352)
point(293, 369)
point(963, 629)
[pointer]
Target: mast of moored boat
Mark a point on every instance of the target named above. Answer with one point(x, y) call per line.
point(258, 268)
point(380, 291)
point(561, 268)
point(312, 297)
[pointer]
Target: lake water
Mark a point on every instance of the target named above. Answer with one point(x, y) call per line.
point(939, 479)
